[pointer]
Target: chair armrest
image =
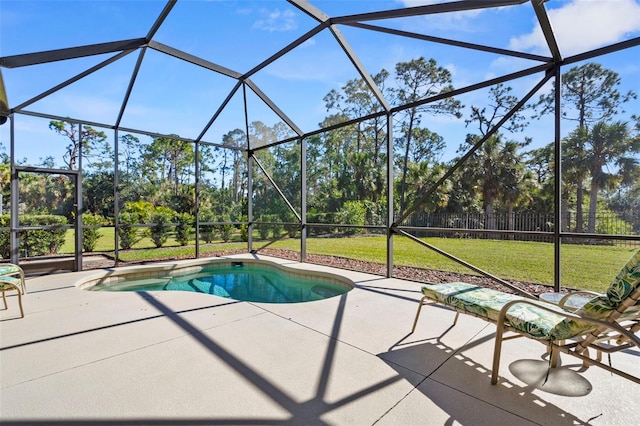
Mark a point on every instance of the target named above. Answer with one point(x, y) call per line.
point(579, 293)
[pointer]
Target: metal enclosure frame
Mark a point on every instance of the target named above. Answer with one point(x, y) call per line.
point(550, 67)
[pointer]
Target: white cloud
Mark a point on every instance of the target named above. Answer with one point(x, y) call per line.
point(415, 3)
point(457, 20)
point(506, 65)
point(582, 25)
point(309, 43)
point(276, 20)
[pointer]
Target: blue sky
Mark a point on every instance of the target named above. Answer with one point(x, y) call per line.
point(171, 96)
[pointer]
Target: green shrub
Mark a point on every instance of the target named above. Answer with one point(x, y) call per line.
point(352, 213)
point(375, 212)
point(42, 242)
point(160, 228)
point(314, 216)
point(5, 249)
point(207, 232)
point(225, 229)
point(90, 236)
point(277, 227)
point(244, 230)
point(128, 235)
point(184, 227)
point(141, 209)
point(263, 229)
point(292, 226)
point(34, 242)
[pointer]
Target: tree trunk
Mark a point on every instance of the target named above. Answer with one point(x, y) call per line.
point(510, 220)
point(404, 164)
point(490, 220)
point(564, 220)
point(579, 200)
point(223, 169)
point(593, 205)
point(236, 177)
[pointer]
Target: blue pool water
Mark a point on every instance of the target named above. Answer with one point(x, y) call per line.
point(238, 281)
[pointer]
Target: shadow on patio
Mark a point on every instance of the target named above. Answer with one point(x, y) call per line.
point(174, 358)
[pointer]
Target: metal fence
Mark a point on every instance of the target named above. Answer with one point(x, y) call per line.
point(465, 224)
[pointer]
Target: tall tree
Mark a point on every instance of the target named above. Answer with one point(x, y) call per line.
point(515, 180)
point(590, 93)
point(287, 173)
point(609, 145)
point(338, 148)
point(129, 148)
point(501, 101)
point(94, 143)
point(366, 156)
point(416, 80)
point(266, 200)
point(168, 162)
point(98, 193)
point(420, 177)
point(496, 171)
point(497, 166)
point(540, 164)
point(235, 140)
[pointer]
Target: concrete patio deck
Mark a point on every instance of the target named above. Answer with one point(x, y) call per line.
point(184, 358)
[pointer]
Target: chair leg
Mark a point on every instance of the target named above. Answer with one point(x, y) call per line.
point(496, 354)
point(8, 286)
point(20, 302)
point(555, 355)
point(23, 283)
point(415, 321)
point(585, 364)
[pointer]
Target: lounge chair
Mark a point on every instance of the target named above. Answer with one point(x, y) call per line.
point(8, 283)
point(607, 322)
point(11, 270)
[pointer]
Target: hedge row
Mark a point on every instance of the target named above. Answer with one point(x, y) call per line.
point(34, 242)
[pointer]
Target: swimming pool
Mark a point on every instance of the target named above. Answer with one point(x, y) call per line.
point(245, 280)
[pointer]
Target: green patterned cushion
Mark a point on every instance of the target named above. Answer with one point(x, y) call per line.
point(626, 281)
point(487, 303)
point(621, 287)
point(542, 324)
point(12, 280)
point(536, 322)
point(469, 298)
point(9, 268)
point(600, 307)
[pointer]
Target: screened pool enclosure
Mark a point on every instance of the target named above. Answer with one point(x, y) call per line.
point(498, 138)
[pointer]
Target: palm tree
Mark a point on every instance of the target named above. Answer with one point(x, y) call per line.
point(514, 178)
point(483, 170)
point(497, 169)
point(419, 79)
point(420, 177)
point(496, 160)
point(574, 173)
point(590, 94)
point(609, 145)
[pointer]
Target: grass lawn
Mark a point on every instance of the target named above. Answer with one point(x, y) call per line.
point(145, 249)
point(583, 266)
